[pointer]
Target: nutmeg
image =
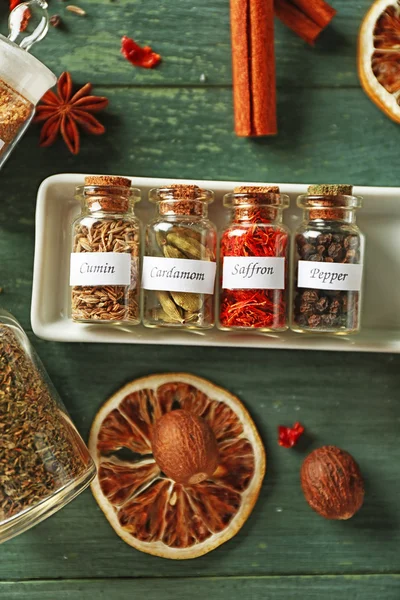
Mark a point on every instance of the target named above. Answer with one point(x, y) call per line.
point(332, 483)
point(184, 447)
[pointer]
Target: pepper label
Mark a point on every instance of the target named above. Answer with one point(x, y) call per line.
point(329, 276)
point(256, 273)
point(178, 275)
point(100, 268)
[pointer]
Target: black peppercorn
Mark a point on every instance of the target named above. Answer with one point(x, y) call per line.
point(336, 251)
point(314, 321)
point(324, 239)
point(322, 304)
point(325, 296)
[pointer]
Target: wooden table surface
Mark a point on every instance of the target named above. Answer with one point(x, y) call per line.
point(176, 121)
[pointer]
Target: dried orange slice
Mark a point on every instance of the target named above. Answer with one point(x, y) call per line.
point(148, 510)
point(379, 56)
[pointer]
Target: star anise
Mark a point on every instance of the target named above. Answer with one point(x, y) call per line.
point(64, 111)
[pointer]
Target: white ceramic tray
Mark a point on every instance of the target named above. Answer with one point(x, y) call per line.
point(379, 219)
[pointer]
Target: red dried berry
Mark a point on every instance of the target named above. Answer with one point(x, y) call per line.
point(289, 436)
point(138, 56)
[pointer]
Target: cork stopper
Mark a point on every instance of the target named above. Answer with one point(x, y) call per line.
point(330, 190)
point(182, 199)
point(108, 180)
point(329, 204)
point(183, 192)
point(254, 194)
point(256, 202)
point(109, 193)
point(252, 189)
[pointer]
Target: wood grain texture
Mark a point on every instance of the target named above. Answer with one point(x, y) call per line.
point(173, 122)
point(194, 40)
point(278, 588)
point(189, 133)
point(348, 400)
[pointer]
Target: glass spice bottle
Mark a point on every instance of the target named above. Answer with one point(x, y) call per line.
point(44, 463)
point(179, 264)
point(254, 261)
point(23, 78)
point(328, 262)
point(105, 258)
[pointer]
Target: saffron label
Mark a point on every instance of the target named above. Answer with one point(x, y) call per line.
point(178, 275)
point(100, 268)
point(329, 276)
point(251, 272)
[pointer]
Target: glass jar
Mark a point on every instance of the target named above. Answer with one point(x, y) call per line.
point(23, 81)
point(179, 264)
point(44, 463)
point(105, 258)
point(254, 261)
point(328, 262)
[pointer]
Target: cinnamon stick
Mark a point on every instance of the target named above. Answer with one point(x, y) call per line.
point(307, 18)
point(297, 21)
point(253, 60)
point(318, 11)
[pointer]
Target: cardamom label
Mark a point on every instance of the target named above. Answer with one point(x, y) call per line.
point(178, 275)
point(100, 268)
point(250, 272)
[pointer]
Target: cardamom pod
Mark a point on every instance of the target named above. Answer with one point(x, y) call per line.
point(159, 314)
point(161, 238)
point(186, 232)
point(190, 317)
point(172, 310)
point(172, 252)
point(190, 247)
point(188, 301)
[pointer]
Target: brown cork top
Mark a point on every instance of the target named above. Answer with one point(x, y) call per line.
point(256, 202)
point(109, 193)
point(329, 203)
point(255, 195)
point(181, 191)
point(330, 190)
point(108, 180)
point(253, 189)
point(181, 199)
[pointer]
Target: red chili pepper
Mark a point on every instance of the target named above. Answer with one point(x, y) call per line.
point(138, 56)
point(289, 436)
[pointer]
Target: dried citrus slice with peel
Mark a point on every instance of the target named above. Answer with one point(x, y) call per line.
point(379, 56)
point(148, 510)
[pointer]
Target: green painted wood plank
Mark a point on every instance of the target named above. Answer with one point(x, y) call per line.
point(278, 588)
point(348, 400)
point(324, 135)
point(194, 40)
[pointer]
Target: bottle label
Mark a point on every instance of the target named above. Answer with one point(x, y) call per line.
point(250, 272)
point(178, 275)
point(2, 144)
point(329, 276)
point(100, 268)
